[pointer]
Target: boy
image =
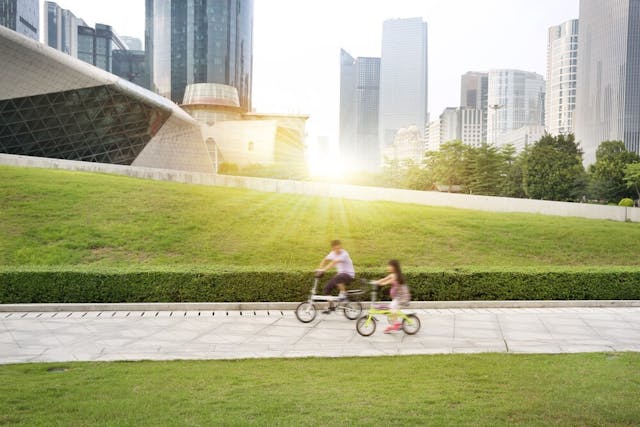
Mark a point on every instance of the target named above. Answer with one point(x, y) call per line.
point(346, 274)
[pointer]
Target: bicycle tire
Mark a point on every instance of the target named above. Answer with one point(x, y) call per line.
point(412, 326)
point(365, 329)
point(352, 310)
point(306, 312)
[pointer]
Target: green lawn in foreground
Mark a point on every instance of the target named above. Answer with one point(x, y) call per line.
point(487, 389)
point(50, 217)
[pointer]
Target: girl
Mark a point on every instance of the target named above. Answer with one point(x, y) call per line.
point(399, 293)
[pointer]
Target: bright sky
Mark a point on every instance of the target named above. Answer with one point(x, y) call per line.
point(297, 44)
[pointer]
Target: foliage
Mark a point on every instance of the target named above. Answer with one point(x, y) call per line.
point(607, 173)
point(626, 203)
point(479, 390)
point(448, 164)
point(554, 169)
point(106, 285)
point(632, 177)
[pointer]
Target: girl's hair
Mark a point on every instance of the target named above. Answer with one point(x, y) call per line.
point(396, 269)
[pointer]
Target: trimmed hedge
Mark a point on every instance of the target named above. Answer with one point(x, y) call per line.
point(69, 285)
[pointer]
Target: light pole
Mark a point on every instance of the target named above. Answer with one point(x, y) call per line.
point(495, 108)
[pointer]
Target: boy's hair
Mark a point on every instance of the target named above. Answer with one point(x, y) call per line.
point(335, 243)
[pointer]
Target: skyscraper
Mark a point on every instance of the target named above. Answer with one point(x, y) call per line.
point(474, 92)
point(562, 65)
point(359, 109)
point(516, 99)
point(22, 16)
point(608, 92)
point(403, 77)
point(61, 28)
point(96, 45)
point(199, 41)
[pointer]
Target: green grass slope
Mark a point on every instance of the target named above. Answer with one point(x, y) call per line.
point(51, 217)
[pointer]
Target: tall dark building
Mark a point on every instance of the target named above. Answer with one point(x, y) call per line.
point(359, 110)
point(22, 16)
point(96, 45)
point(608, 75)
point(131, 65)
point(199, 41)
point(474, 92)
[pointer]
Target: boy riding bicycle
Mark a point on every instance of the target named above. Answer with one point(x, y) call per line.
point(346, 274)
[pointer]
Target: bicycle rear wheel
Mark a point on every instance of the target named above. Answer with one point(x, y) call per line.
point(411, 325)
point(366, 325)
point(352, 310)
point(306, 312)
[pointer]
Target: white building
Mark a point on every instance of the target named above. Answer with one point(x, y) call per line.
point(407, 145)
point(403, 77)
point(432, 137)
point(516, 99)
point(521, 137)
point(456, 124)
point(562, 72)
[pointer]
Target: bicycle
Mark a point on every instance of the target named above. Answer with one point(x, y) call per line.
point(306, 311)
point(366, 325)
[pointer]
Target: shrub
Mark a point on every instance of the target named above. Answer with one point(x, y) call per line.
point(68, 285)
point(626, 202)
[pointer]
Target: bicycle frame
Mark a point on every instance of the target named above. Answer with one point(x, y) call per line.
point(373, 310)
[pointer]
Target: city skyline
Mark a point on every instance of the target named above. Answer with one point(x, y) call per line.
point(296, 65)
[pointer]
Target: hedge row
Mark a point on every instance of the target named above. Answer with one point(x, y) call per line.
point(77, 286)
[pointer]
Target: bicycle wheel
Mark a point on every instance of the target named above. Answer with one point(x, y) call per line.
point(366, 325)
point(352, 310)
point(411, 324)
point(306, 312)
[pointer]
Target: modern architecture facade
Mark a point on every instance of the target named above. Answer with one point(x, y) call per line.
point(132, 43)
point(194, 41)
point(61, 28)
point(53, 105)
point(359, 111)
point(608, 83)
point(516, 98)
point(131, 65)
point(408, 146)
point(474, 93)
point(245, 138)
point(22, 16)
point(96, 45)
point(456, 124)
point(562, 73)
point(403, 77)
point(522, 137)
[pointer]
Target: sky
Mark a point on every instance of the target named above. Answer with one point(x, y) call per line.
point(297, 44)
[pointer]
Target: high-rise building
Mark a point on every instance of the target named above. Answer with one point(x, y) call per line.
point(608, 92)
point(96, 45)
point(133, 43)
point(131, 65)
point(61, 28)
point(516, 99)
point(22, 16)
point(194, 41)
point(403, 77)
point(562, 66)
point(359, 110)
point(474, 92)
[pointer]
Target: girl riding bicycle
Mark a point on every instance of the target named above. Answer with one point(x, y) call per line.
point(400, 295)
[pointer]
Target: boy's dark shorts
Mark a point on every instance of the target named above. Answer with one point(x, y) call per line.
point(336, 280)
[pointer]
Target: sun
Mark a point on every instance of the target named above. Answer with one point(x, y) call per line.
point(325, 166)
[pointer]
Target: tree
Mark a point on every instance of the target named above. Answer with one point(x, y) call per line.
point(632, 177)
point(607, 173)
point(487, 169)
point(448, 164)
point(554, 169)
point(516, 170)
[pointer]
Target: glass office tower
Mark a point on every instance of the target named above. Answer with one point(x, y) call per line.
point(608, 95)
point(474, 92)
point(562, 65)
point(403, 77)
point(200, 41)
point(22, 16)
point(359, 111)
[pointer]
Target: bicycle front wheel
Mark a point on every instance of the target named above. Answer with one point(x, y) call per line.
point(366, 326)
point(352, 310)
point(411, 325)
point(306, 312)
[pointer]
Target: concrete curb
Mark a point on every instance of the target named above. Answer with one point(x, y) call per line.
point(240, 306)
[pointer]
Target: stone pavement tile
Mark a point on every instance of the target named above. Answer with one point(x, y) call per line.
point(5, 338)
point(320, 334)
point(16, 359)
point(274, 339)
point(533, 347)
point(571, 348)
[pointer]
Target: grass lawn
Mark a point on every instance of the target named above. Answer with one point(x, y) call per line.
point(487, 389)
point(52, 217)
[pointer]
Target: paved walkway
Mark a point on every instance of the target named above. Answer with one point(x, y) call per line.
point(162, 335)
